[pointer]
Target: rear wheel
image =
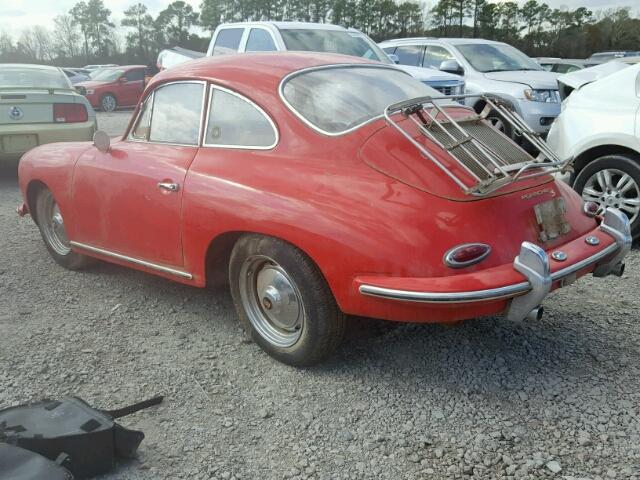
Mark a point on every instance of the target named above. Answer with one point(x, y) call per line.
point(108, 103)
point(283, 301)
point(52, 228)
point(613, 181)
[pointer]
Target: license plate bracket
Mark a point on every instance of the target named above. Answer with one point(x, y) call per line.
point(550, 216)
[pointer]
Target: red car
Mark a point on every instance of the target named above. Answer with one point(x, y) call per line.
point(115, 87)
point(320, 187)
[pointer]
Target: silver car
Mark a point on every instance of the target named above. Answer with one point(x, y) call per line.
point(39, 105)
point(489, 68)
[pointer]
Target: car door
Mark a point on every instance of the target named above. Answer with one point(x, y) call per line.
point(132, 87)
point(127, 202)
point(410, 54)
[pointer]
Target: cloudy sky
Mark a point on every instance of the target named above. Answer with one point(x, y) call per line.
point(18, 14)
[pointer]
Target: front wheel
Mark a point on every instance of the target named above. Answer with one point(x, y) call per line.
point(52, 228)
point(108, 103)
point(613, 181)
point(283, 300)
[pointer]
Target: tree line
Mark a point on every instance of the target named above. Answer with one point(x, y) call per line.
point(88, 33)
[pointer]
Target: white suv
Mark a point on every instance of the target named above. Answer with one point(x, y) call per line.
point(488, 67)
point(318, 37)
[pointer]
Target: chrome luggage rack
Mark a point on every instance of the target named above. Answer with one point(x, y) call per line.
point(489, 157)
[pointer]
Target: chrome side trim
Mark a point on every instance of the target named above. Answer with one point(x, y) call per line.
point(136, 261)
point(499, 293)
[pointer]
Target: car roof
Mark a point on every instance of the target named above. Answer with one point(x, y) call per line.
point(451, 41)
point(249, 71)
point(31, 66)
point(125, 67)
point(288, 25)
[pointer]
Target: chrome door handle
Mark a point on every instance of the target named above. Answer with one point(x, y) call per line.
point(170, 187)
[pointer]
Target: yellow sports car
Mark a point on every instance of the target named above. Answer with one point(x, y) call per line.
point(39, 105)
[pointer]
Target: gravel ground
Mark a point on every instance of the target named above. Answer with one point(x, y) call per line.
point(114, 123)
point(558, 398)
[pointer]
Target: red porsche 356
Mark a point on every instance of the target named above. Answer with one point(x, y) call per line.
point(322, 186)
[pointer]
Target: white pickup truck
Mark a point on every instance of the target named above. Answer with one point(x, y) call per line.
point(314, 37)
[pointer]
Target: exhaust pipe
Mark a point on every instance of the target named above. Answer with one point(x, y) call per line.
point(535, 314)
point(618, 269)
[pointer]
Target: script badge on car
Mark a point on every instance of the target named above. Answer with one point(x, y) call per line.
point(551, 219)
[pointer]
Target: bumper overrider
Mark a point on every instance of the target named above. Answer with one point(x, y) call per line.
point(533, 263)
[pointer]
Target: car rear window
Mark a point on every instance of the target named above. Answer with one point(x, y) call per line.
point(32, 77)
point(336, 100)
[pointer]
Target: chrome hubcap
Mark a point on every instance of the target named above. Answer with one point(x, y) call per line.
point(497, 123)
point(108, 103)
point(272, 301)
point(53, 226)
point(613, 188)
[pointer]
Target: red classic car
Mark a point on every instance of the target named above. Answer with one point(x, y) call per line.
point(322, 186)
point(114, 87)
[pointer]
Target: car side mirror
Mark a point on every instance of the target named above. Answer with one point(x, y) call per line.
point(393, 57)
point(102, 141)
point(451, 66)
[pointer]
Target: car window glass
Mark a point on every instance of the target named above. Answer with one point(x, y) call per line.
point(141, 130)
point(134, 75)
point(176, 114)
point(389, 50)
point(549, 67)
point(227, 41)
point(410, 54)
point(435, 55)
point(260, 41)
point(233, 121)
point(566, 68)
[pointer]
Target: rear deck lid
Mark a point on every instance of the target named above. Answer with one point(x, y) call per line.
point(21, 106)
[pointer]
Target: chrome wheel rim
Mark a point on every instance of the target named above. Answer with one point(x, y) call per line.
point(108, 103)
point(497, 123)
point(272, 301)
point(53, 226)
point(611, 187)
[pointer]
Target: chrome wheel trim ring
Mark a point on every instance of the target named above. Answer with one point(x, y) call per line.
point(497, 123)
point(109, 103)
point(53, 226)
point(614, 188)
point(272, 301)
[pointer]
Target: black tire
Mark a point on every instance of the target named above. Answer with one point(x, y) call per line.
point(108, 103)
point(55, 237)
point(615, 164)
point(312, 333)
point(500, 123)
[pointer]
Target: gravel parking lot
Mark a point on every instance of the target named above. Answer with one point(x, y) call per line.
point(558, 398)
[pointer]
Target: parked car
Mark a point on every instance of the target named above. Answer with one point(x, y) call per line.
point(96, 67)
point(298, 177)
point(606, 56)
point(488, 67)
point(174, 56)
point(318, 37)
point(564, 65)
point(114, 87)
point(599, 128)
point(75, 77)
point(38, 105)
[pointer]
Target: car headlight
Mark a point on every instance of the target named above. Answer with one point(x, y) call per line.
point(546, 96)
point(89, 91)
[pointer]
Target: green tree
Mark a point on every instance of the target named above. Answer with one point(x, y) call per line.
point(175, 21)
point(139, 40)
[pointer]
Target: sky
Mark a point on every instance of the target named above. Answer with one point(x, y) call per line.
point(18, 14)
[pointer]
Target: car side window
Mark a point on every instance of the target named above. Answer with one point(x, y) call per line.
point(260, 41)
point(389, 50)
point(176, 113)
point(236, 122)
point(435, 55)
point(228, 41)
point(410, 54)
point(141, 129)
point(134, 75)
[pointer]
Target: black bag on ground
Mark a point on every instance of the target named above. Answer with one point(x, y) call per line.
point(89, 437)
point(19, 464)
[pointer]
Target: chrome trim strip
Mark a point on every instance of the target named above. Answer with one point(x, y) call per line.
point(137, 261)
point(250, 102)
point(507, 291)
point(326, 67)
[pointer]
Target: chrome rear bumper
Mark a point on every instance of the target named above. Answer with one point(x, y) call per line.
point(533, 263)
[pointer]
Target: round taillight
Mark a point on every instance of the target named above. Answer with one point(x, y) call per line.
point(591, 209)
point(466, 254)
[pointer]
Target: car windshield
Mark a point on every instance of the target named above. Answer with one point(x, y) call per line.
point(333, 41)
point(495, 57)
point(338, 99)
point(32, 77)
point(107, 75)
